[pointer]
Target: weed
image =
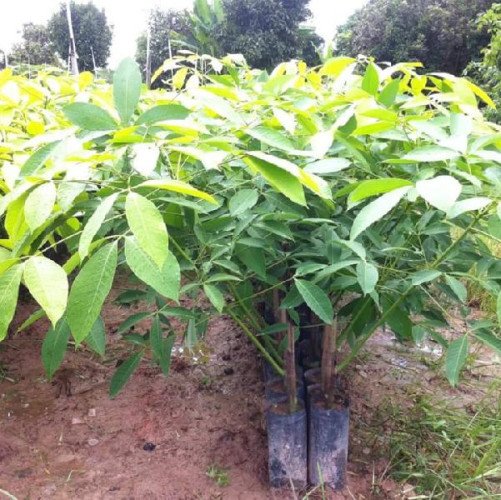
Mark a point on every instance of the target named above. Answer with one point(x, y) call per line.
point(218, 475)
point(4, 374)
point(447, 452)
point(478, 295)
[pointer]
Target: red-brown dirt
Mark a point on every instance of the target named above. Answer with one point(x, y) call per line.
point(88, 446)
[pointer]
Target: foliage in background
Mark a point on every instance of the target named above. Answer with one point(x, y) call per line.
point(267, 31)
point(488, 71)
point(164, 25)
point(92, 33)
point(441, 34)
point(35, 48)
point(264, 32)
point(205, 19)
point(348, 184)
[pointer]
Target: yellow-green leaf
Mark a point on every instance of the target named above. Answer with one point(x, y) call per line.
point(147, 225)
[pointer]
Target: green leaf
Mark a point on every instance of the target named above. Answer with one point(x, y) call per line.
point(490, 340)
point(376, 186)
point(457, 287)
point(281, 180)
point(397, 319)
point(160, 347)
point(90, 288)
point(425, 276)
point(126, 88)
point(39, 205)
point(96, 340)
point(418, 333)
point(389, 93)
point(327, 166)
point(311, 181)
point(54, 347)
point(471, 204)
point(9, 291)
point(214, 278)
point(430, 154)
point(31, 320)
point(162, 113)
point(89, 117)
point(292, 299)
point(123, 373)
point(147, 225)
point(253, 258)
point(316, 299)
point(165, 281)
point(215, 296)
point(370, 81)
point(48, 284)
point(38, 158)
point(333, 268)
point(376, 210)
point(367, 276)
point(145, 158)
point(272, 137)
point(94, 224)
point(131, 321)
point(455, 359)
point(242, 201)
point(178, 187)
point(156, 338)
point(440, 192)
point(335, 65)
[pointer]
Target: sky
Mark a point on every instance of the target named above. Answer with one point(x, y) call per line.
point(129, 18)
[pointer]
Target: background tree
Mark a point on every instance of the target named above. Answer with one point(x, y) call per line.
point(92, 33)
point(487, 73)
point(266, 32)
point(35, 47)
point(205, 20)
point(165, 25)
point(440, 33)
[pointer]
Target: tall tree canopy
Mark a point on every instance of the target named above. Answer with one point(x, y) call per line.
point(92, 33)
point(487, 73)
point(35, 47)
point(440, 33)
point(267, 32)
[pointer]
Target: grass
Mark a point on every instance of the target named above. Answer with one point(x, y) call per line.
point(484, 300)
point(219, 475)
point(447, 452)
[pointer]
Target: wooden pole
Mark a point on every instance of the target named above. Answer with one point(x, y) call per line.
point(290, 363)
point(148, 57)
point(328, 361)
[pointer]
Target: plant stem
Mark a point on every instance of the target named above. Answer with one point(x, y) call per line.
point(266, 355)
point(290, 367)
point(252, 317)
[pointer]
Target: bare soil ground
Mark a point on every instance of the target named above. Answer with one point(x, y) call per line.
point(88, 446)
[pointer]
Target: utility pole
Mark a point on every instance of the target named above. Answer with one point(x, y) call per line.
point(148, 56)
point(93, 59)
point(170, 57)
point(73, 49)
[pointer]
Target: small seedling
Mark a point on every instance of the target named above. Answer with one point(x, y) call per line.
point(218, 475)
